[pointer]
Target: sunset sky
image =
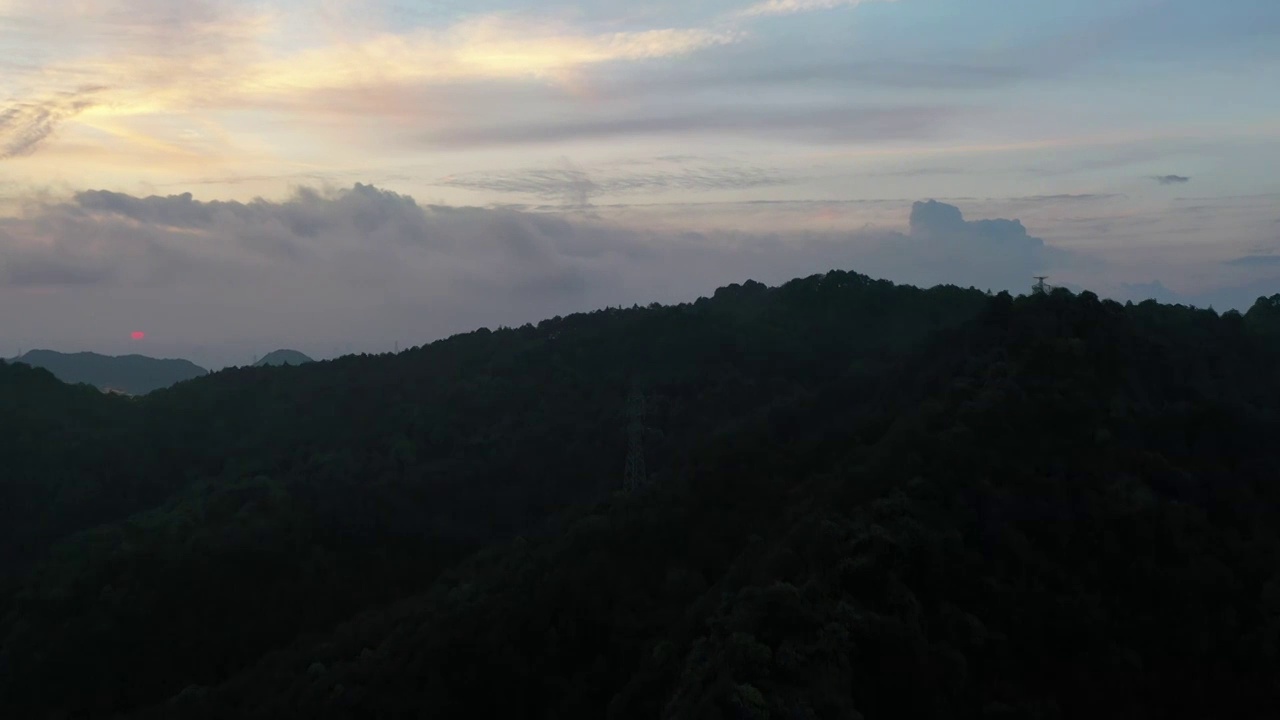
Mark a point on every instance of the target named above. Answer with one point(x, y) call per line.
point(234, 176)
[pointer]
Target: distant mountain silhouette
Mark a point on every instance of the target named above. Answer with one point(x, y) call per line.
point(283, 357)
point(127, 374)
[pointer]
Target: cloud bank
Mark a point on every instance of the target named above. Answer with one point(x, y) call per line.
point(940, 247)
point(1256, 261)
point(370, 266)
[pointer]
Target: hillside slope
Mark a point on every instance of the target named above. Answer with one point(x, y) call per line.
point(293, 497)
point(866, 499)
point(1067, 510)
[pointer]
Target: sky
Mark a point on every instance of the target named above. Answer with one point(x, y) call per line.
point(233, 176)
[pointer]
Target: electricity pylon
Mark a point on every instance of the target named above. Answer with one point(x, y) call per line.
point(1040, 287)
point(635, 476)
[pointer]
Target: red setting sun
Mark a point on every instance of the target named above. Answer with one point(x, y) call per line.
point(137, 334)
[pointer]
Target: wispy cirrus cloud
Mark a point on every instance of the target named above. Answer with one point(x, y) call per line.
point(484, 48)
point(576, 186)
point(97, 69)
point(158, 63)
point(25, 124)
point(791, 7)
point(245, 50)
point(839, 124)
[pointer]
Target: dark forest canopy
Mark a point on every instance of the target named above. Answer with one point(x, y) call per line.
point(862, 500)
point(127, 374)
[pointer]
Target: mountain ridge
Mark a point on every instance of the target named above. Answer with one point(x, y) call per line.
point(863, 498)
point(131, 374)
point(283, 357)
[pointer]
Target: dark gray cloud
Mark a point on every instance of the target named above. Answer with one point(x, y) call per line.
point(59, 269)
point(1256, 261)
point(363, 208)
point(1076, 198)
point(1119, 156)
point(571, 184)
point(368, 266)
point(805, 124)
point(1171, 179)
point(576, 186)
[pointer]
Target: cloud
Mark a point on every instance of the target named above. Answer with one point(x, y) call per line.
point(750, 68)
point(1238, 297)
point(941, 246)
point(791, 7)
point(158, 64)
point(1072, 198)
point(24, 125)
point(54, 268)
point(1171, 179)
point(485, 47)
point(839, 124)
point(1256, 261)
point(576, 186)
point(922, 172)
point(369, 266)
point(1154, 290)
point(572, 184)
point(116, 76)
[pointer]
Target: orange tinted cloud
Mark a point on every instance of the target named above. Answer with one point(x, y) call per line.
point(183, 84)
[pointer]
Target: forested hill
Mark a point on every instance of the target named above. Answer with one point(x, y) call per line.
point(127, 374)
point(284, 357)
point(863, 500)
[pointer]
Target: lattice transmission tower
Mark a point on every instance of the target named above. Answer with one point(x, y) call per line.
point(1040, 287)
point(635, 476)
